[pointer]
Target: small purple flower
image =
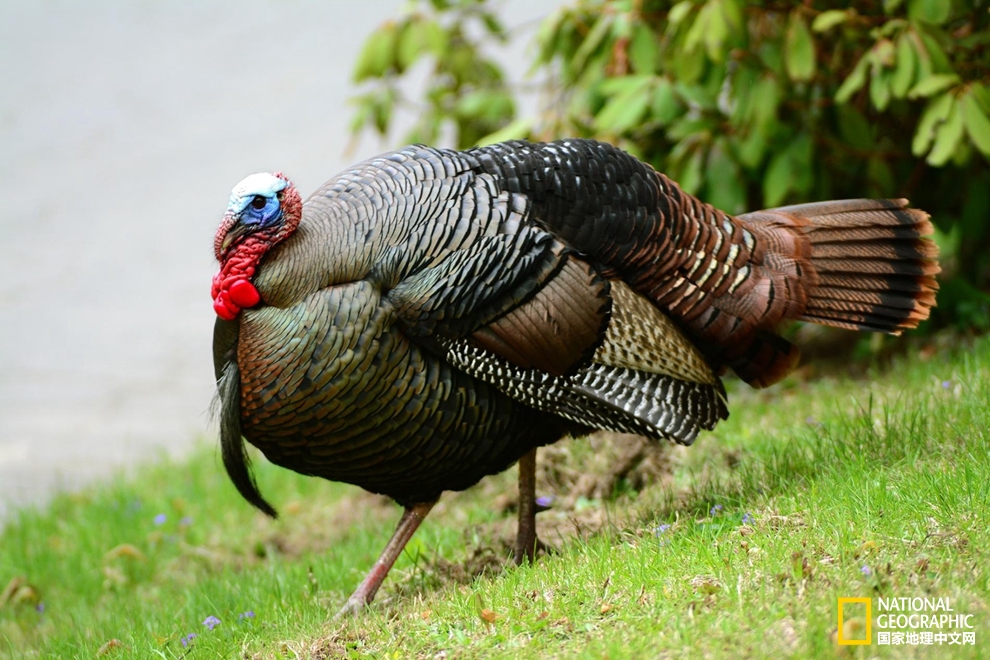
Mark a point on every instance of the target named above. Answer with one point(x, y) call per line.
point(246, 615)
point(160, 519)
point(188, 638)
point(545, 501)
point(866, 570)
point(211, 622)
point(185, 522)
point(662, 529)
point(40, 608)
point(946, 384)
point(715, 510)
point(747, 518)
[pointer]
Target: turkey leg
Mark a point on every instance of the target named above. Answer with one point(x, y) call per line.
point(408, 524)
point(526, 542)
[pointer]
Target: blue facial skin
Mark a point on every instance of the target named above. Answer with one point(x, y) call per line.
point(247, 196)
point(254, 205)
point(260, 218)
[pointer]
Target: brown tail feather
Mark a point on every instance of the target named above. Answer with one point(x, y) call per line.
point(873, 282)
point(914, 268)
point(856, 264)
point(851, 246)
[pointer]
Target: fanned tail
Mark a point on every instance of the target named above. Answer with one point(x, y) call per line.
point(869, 266)
point(874, 264)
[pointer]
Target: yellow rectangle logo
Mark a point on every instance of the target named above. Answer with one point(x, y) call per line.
point(868, 602)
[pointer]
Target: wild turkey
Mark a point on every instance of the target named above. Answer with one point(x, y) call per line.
point(430, 317)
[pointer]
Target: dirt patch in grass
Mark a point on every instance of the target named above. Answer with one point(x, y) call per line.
point(600, 466)
point(337, 644)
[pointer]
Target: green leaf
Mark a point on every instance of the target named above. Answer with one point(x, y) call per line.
point(929, 11)
point(733, 10)
point(696, 33)
point(778, 179)
point(716, 36)
point(548, 36)
point(382, 112)
point(753, 146)
point(888, 29)
point(933, 84)
point(665, 106)
point(725, 188)
point(880, 89)
point(688, 127)
point(827, 20)
point(904, 67)
point(768, 95)
point(977, 123)
point(486, 104)
point(925, 66)
point(789, 170)
point(679, 12)
point(625, 110)
point(377, 54)
point(940, 61)
point(593, 41)
point(623, 84)
point(981, 94)
point(435, 37)
point(740, 94)
point(802, 152)
point(697, 96)
point(934, 113)
point(687, 66)
point(493, 25)
point(799, 53)
point(363, 114)
point(854, 81)
point(644, 51)
point(947, 137)
point(411, 42)
point(692, 176)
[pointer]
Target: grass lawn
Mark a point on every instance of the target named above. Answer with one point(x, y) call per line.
point(740, 546)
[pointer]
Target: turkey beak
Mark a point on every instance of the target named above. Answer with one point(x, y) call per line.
point(236, 230)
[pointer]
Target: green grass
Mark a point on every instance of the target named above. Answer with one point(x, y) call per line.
point(878, 486)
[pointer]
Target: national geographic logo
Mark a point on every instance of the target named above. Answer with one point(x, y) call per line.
point(903, 621)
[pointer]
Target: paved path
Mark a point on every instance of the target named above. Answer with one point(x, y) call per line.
point(122, 130)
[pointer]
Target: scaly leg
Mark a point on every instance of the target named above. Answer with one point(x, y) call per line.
point(526, 541)
point(408, 524)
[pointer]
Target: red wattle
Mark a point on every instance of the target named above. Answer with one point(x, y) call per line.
point(231, 288)
point(224, 309)
point(243, 294)
point(215, 288)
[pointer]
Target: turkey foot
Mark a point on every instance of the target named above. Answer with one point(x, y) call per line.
point(527, 544)
point(365, 593)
